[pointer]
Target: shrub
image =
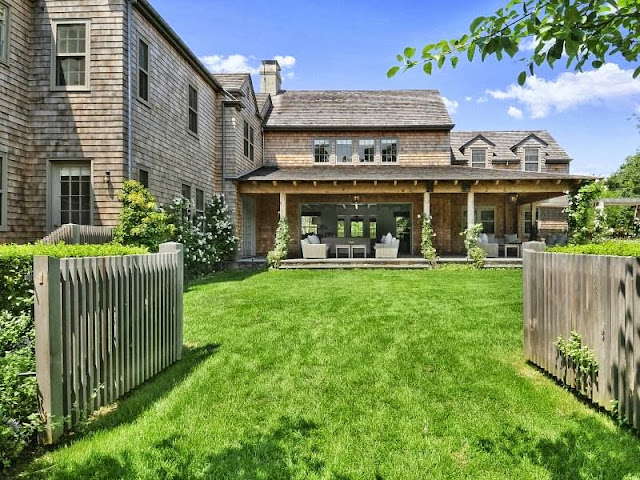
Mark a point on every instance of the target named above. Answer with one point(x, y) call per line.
point(208, 241)
point(586, 222)
point(475, 253)
point(621, 248)
point(477, 256)
point(19, 419)
point(281, 248)
point(142, 222)
point(428, 252)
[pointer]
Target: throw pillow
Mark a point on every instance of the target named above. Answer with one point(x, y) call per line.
point(483, 238)
point(511, 238)
point(314, 239)
point(388, 238)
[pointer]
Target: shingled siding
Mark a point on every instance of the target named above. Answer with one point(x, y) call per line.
point(80, 126)
point(14, 127)
point(162, 143)
point(295, 149)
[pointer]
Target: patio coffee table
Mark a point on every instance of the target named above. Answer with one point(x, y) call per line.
point(354, 248)
point(343, 247)
point(510, 246)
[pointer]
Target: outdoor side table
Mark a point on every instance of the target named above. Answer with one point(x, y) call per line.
point(511, 246)
point(343, 247)
point(355, 248)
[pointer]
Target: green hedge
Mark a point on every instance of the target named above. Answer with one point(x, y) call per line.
point(18, 395)
point(619, 248)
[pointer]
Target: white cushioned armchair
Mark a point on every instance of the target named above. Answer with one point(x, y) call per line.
point(314, 250)
point(491, 248)
point(388, 249)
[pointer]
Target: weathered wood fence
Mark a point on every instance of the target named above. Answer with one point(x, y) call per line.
point(71, 233)
point(598, 297)
point(103, 326)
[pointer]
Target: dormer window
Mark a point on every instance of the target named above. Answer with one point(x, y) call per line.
point(389, 148)
point(321, 151)
point(367, 151)
point(479, 157)
point(532, 159)
point(344, 150)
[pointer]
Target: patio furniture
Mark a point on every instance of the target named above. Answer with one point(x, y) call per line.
point(361, 248)
point(491, 248)
point(343, 247)
point(388, 250)
point(511, 246)
point(333, 241)
point(314, 250)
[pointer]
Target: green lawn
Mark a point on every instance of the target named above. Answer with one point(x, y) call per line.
point(350, 374)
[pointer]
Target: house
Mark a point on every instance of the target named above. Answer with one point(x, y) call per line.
point(102, 91)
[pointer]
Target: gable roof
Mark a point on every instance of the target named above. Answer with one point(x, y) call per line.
point(358, 110)
point(505, 143)
point(264, 102)
point(231, 82)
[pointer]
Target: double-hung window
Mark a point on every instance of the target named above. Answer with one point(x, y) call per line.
point(193, 109)
point(527, 218)
point(143, 177)
point(71, 55)
point(3, 190)
point(532, 159)
point(484, 215)
point(367, 151)
point(478, 157)
point(249, 134)
point(344, 150)
point(143, 70)
point(321, 151)
point(4, 32)
point(200, 207)
point(389, 150)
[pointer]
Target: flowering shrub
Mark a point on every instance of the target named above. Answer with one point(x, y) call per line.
point(281, 249)
point(475, 253)
point(428, 252)
point(208, 241)
point(142, 223)
point(586, 222)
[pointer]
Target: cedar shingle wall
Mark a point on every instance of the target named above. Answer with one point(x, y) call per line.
point(295, 149)
point(161, 141)
point(14, 128)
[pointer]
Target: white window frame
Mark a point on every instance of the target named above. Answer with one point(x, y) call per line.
point(199, 212)
point(362, 146)
point(328, 154)
point(4, 170)
point(390, 141)
point(524, 160)
point(190, 109)
point(143, 40)
point(344, 141)
point(477, 215)
point(484, 152)
point(54, 56)
point(52, 189)
point(4, 57)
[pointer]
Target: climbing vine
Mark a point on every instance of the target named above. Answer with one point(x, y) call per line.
point(428, 251)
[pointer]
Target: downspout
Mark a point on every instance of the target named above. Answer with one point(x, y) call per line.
point(129, 96)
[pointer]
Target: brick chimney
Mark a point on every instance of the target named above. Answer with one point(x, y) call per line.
point(270, 79)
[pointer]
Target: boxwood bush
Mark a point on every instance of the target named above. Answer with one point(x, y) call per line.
point(18, 394)
point(620, 248)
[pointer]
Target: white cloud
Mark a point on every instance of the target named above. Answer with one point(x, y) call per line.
point(286, 61)
point(569, 90)
point(514, 112)
point(482, 99)
point(451, 105)
point(468, 99)
point(232, 64)
point(527, 44)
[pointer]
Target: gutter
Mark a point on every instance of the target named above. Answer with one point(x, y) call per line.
point(327, 128)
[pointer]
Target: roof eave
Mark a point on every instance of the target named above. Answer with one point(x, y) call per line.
point(327, 128)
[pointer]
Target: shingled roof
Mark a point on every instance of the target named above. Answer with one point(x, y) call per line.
point(231, 82)
point(394, 172)
point(505, 143)
point(358, 110)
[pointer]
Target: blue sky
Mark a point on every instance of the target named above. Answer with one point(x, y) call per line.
point(351, 44)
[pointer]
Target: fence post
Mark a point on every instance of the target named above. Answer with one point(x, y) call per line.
point(48, 323)
point(75, 234)
point(178, 248)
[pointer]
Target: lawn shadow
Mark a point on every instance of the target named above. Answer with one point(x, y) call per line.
point(280, 453)
point(224, 277)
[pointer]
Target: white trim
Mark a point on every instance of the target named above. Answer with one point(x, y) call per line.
point(5, 59)
point(397, 143)
point(524, 158)
point(350, 160)
point(52, 165)
point(313, 150)
point(486, 156)
point(190, 86)
point(375, 150)
point(4, 171)
point(55, 23)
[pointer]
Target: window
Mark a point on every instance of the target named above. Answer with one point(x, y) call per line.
point(527, 220)
point(356, 227)
point(389, 150)
point(344, 151)
point(309, 225)
point(373, 227)
point(3, 190)
point(75, 195)
point(248, 140)
point(532, 159)
point(484, 215)
point(321, 151)
point(199, 203)
point(143, 70)
point(4, 34)
point(186, 191)
point(193, 109)
point(479, 157)
point(143, 177)
point(341, 227)
point(71, 50)
point(367, 150)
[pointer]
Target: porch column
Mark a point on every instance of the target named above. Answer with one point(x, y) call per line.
point(470, 210)
point(283, 205)
point(426, 207)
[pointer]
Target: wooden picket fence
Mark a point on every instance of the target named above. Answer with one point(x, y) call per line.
point(598, 297)
point(104, 325)
point(71, 233)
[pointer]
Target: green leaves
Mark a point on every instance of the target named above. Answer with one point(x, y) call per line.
point(522, 77)
point(428, 67)
point(409, 52)
point(392, 71)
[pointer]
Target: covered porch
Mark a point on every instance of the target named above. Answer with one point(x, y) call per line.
point(356, 211)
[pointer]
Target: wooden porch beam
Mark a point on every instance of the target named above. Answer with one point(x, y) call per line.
point(315, 183)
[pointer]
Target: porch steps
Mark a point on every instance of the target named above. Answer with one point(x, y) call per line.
point(390, 263)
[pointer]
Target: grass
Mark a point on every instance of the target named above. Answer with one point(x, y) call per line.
point(350, 374)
